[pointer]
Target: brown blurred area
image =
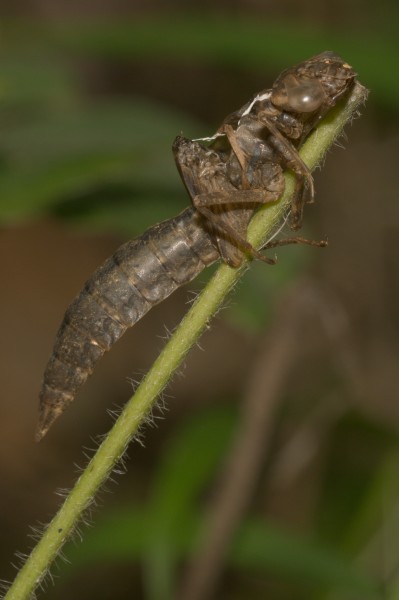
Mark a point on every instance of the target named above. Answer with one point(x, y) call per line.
point(45, 260)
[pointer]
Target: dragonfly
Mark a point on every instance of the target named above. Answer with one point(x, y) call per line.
point(227, 176)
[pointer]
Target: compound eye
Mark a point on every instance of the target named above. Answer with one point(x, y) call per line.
point(297, 95)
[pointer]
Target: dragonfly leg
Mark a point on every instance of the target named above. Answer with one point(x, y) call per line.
point(304, 186)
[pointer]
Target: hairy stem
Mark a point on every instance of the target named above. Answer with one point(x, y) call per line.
point(138, 407)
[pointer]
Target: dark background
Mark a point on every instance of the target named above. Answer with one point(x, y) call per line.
point(91, 98)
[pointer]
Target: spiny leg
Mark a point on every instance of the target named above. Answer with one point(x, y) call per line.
point(240, 154)
point(302, 173)
point(234, 197)
point(238, 197)
point(295, 240)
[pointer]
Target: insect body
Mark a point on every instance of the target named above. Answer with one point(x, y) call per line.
point(227, 177)
point(140, 274)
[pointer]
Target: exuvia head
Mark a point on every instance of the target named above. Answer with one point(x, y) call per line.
point(320, 80)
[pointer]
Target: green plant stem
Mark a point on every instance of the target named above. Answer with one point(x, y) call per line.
point(139, 406)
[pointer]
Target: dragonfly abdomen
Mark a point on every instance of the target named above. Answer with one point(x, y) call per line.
point(140, 274)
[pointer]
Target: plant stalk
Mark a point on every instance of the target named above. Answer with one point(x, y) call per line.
point(139, 406)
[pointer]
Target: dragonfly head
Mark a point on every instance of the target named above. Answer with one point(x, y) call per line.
point(314, 85)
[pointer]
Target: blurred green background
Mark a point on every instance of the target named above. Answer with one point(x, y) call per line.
point(91, 98)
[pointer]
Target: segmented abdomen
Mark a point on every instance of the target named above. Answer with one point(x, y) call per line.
point(140, 274)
